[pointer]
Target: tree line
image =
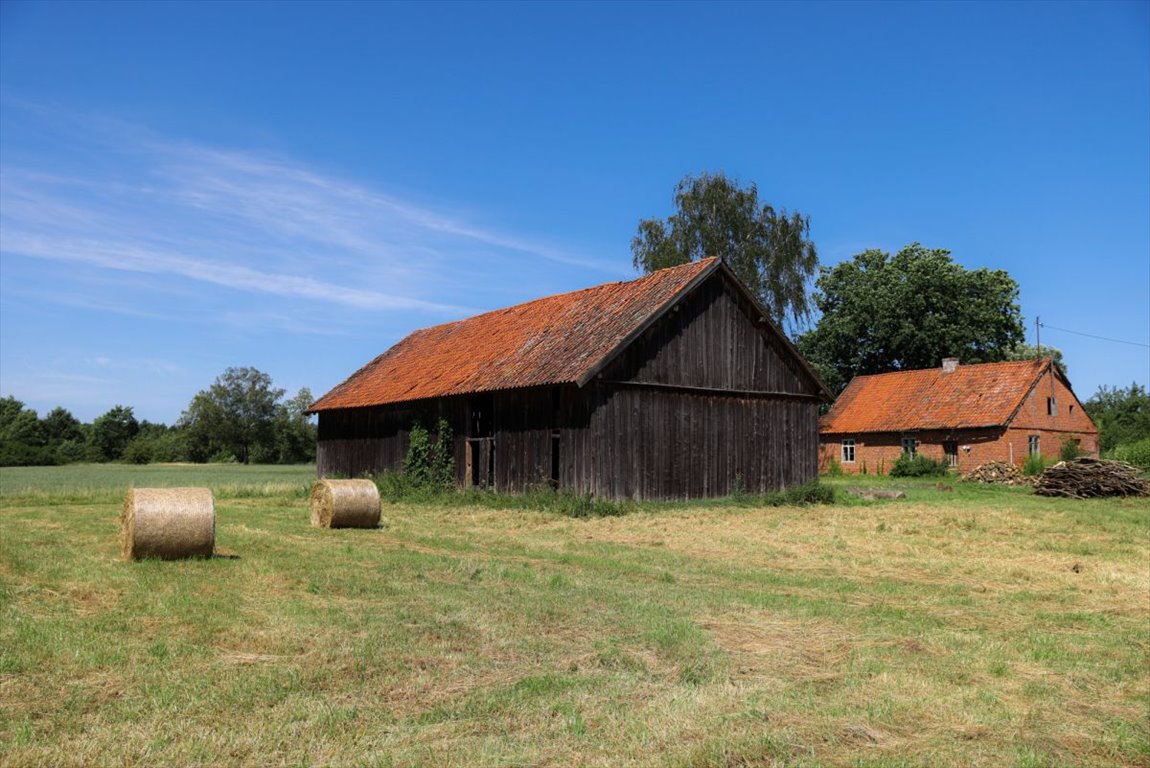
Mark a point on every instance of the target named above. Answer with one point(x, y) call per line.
point(242, 417)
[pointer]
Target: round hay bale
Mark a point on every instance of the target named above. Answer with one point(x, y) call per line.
point(168, 523)
point(345, 504)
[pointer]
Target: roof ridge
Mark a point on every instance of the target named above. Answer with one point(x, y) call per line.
point(699, 264)
point(962, 366)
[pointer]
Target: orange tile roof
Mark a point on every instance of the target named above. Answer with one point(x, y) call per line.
point(555, 340)
point(977, 395)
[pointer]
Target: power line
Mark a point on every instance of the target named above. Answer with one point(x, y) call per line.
point(1092, 336)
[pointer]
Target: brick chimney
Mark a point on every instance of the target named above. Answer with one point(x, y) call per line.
point(949, 364)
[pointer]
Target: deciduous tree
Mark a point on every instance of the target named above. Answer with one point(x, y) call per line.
point(769, 249)
point(1032, 352)
point(235, 414)
point(888, 314)
point(1121, 415)
point(111, 432)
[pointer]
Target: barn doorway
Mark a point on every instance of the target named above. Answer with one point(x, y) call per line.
point(481, 442)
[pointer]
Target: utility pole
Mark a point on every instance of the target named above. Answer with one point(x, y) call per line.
point(1037, 336)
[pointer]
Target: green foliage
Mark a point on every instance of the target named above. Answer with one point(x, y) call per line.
point(1069, 450)
point(236, 414)
point(1136, 453)
point(880, 313)
point(295, 432)
point(834, 469)
point(429, 464)
point(1035, 464)
point(770, 250)
point(443, 457)
point(61, 426)
point(222, 457)
point(1121, 415)
point(812, 492)
point(112, 432)
point(22, 438)
point(1024, 351)
point(139, 451)
point(918, 465)
point(402, 487)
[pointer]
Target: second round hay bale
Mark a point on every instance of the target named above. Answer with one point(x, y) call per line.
point(168, 523)
point(345, 504)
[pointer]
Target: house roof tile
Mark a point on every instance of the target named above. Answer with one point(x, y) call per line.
point(977, 395)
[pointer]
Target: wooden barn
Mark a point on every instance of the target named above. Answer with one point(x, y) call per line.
point(965, 415)
point(675, 385)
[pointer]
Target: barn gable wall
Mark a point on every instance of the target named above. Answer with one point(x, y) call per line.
point(711, 340)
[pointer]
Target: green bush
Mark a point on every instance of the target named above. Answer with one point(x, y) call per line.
point(918, 466)
point(812, 492)
point(1035, 464)
point(1137, 453)
point(138, 451)
point(430, 464)
point(443, 457)
point(1070, 450)
point(834, 469)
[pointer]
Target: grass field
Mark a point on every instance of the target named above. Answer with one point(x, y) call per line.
point(973, 626)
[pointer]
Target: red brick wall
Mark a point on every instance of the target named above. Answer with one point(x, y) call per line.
point(874, 453)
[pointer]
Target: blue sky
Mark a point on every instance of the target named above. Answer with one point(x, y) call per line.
point(188, 187)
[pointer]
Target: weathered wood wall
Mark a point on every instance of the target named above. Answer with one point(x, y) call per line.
point(712, 340)
point(359, 441)
point(705, 402)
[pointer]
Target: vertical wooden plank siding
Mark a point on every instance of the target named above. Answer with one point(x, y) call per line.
point(705, 402)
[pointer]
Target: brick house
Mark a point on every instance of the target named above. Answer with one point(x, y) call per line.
point(965, 415)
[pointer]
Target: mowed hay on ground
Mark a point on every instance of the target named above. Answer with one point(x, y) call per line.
point(977, 627)
point(345, 504)
point(168, 523)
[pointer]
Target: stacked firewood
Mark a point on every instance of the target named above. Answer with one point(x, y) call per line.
point(1084, 478)
point(996, 472)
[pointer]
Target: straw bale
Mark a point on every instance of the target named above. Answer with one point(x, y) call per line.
point(345, 504)
point(168, 523)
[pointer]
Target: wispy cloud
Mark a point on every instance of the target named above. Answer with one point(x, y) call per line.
point(128, 256)
point(242, 221)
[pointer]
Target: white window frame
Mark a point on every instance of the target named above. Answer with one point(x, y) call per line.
point(909, 445)
point(851, 445)
point(1033, 445)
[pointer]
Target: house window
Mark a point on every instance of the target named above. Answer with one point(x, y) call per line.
point(1033, 445)
point(1051, 407)
point(848, 451)
point(950, 448)
point(1071, 411)
point(909, 445)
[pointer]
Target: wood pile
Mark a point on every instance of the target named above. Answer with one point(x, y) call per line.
point(1085, 478)
point(997, 473)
